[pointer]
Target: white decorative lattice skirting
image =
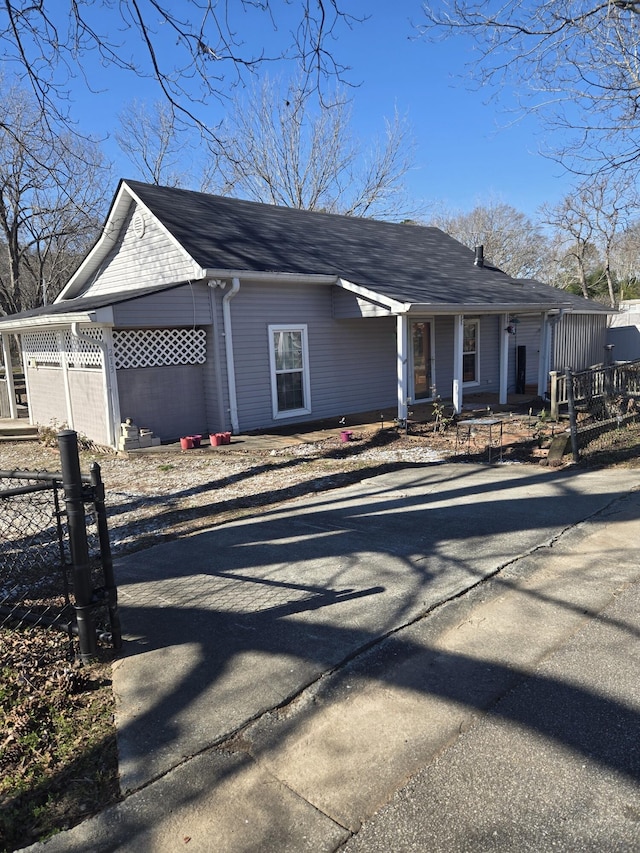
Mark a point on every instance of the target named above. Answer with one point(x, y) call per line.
point(158, 347)
point(48, 348)
point(132, 347)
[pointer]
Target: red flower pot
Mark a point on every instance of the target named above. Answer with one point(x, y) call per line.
point(186, 442)
point(216, 439)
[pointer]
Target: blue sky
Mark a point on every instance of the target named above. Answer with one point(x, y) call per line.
point(468, 149)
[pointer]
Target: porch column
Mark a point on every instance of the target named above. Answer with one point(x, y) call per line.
point(8, 372)
point(458, 349)
point(402, 347)
point(64, 366)
point(112, 400)
point(544, 357)
point(503, 319)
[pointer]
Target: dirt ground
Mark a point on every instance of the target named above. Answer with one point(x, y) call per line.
point(151, 496)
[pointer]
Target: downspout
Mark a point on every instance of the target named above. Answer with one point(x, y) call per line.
point(112, 432)
point(228, 346)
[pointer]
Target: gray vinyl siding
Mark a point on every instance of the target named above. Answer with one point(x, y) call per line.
point(167, 400)
point(141, 261)
point(489, 373)
point(443, 359)
point(489, 356)
point(47, 402)
point(352, 363)
point(527, 334)
point(180, 306)
point(349, 306)
point(579, 341)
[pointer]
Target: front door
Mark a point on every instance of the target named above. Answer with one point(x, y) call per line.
point(421, 355)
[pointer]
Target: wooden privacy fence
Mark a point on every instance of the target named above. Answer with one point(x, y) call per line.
point(595, 387)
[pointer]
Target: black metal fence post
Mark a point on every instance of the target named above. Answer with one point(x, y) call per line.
point(573, 420)
point(110, 589)
point(74, 503)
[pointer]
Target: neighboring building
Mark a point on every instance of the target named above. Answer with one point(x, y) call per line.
point(624, 331)
point(197, 313)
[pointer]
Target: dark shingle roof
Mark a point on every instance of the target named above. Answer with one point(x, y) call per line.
point(409, 263)
point(83, 304)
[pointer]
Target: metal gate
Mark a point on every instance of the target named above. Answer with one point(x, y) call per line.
point(56, 568)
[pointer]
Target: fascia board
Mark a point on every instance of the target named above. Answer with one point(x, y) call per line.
point(224, 275)
point(105, 242)
point(374, 296)
point(178, 245)
point(48, 321)
point(493, 308)
point(110, 233)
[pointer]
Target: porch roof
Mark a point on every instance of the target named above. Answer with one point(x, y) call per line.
point(80, 309)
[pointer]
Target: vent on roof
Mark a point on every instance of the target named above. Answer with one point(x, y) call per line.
point(479, 258)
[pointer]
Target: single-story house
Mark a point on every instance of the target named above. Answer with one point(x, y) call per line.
point(196, 313)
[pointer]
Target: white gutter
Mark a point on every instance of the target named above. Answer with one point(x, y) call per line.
point(473, 309)
point(265, 277)
point(228, 346)
point(50, 321)
point(109, 397)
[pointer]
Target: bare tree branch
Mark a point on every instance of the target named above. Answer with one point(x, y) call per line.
point(51, 205)
point(281, 148)
point(511, 241)
point(575, 62)
point(193, 49)
point(154, 144)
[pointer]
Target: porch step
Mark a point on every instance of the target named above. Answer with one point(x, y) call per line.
point(11, 430)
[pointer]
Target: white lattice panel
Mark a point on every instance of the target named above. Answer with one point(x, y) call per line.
point(158, 347)
point(81, 353)
point(41, 347)
point(44, 348)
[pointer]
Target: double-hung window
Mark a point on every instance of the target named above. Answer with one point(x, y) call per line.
point(289, 361)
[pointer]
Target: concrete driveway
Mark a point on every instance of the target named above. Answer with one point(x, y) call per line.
point(225, 625)
point(279, 687)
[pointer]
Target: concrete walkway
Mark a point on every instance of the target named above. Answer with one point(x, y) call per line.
point(443, 658)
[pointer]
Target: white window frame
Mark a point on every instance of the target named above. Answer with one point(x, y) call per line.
point(476, 322)
point(306, 381)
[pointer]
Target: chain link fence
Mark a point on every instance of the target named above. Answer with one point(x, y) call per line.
point(55, 560)
point(601, 399)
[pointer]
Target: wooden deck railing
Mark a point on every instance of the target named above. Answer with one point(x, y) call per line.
point(597, 382)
